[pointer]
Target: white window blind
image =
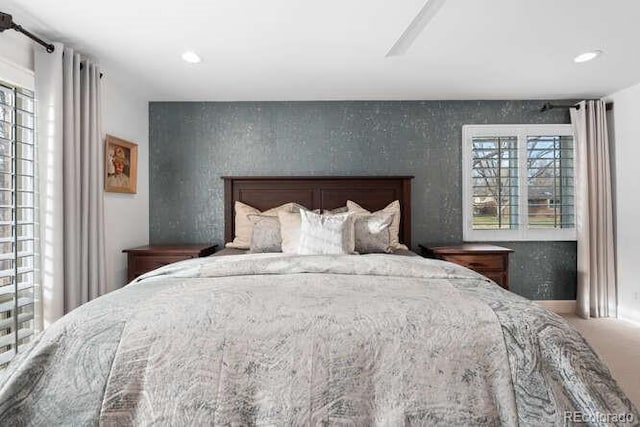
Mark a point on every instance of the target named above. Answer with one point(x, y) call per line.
point(518, 182)
point(551, 203)
point(495, 182)
point(17, 219)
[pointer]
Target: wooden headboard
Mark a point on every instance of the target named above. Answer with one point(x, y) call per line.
point(318, 192)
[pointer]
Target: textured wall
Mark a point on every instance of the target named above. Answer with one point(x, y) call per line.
point(193, 144)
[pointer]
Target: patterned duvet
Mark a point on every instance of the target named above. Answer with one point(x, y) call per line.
point(309, 340)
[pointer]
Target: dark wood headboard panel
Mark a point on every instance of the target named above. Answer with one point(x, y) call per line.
point(318, 192)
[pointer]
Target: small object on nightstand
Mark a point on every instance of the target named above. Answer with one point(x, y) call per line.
point(489, 260)
point(149, 257)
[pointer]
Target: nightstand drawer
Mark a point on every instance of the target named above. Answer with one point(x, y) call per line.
point(143, 264)
point(477, 262)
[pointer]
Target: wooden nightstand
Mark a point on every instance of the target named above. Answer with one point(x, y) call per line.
point(146, 258)
point(489, 260)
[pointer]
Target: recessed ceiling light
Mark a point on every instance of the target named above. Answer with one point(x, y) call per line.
point(191, 57)
point(587, 56)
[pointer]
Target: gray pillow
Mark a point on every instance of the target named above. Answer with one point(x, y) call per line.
point(394, 228)
point(265, 236)
point(373, 234)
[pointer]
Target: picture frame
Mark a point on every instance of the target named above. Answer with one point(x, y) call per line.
point(120, 165)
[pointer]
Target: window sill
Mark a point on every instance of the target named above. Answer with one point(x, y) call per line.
point(518, 236)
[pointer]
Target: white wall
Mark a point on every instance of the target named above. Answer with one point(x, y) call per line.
point(16, 49)
point(626, 125)
point(125, 115)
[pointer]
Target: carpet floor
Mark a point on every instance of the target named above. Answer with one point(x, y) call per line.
point(618, 344)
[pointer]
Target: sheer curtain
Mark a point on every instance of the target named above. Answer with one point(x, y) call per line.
point(596, 263)
point(69, 91)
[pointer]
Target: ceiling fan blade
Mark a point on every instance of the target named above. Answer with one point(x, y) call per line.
point(413, 30)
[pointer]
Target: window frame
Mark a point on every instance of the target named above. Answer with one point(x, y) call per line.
point(522, 233)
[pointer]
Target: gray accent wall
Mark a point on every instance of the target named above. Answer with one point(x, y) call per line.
point(193, 144)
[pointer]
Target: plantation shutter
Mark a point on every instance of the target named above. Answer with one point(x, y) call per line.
point(518, 183)
point(17, 219)
point(494, 176)
point(550, 181)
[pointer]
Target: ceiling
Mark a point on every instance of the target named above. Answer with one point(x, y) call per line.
point(335, 49)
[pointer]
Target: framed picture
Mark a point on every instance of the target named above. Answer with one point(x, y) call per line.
point(120, 165)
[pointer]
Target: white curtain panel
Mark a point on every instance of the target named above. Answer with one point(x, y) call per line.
point(596, 259)
point(70, 142)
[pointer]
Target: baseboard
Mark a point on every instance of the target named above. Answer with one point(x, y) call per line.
point(558, 306)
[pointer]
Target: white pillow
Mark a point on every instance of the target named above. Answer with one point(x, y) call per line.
point(326, 234)
point(289, 231)
point(244, 226)
point(394, 228)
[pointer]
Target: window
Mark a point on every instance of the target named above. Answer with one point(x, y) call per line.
point(17, 219)
point(518, 182)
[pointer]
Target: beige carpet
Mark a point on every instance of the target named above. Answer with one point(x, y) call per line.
point(618, 344)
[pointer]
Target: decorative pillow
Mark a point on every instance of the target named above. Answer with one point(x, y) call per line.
point(372, 233)
point(326, 234)
point(394, 227)
point(244, 227)
point(265, 236)
point(290, 231)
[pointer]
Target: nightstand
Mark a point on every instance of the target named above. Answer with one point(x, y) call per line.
point(489, 260)
point(146, 258)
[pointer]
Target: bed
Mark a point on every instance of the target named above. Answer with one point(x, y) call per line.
point(277, 339)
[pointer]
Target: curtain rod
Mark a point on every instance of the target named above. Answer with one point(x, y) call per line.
point(6, 23)
point(549, 106)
